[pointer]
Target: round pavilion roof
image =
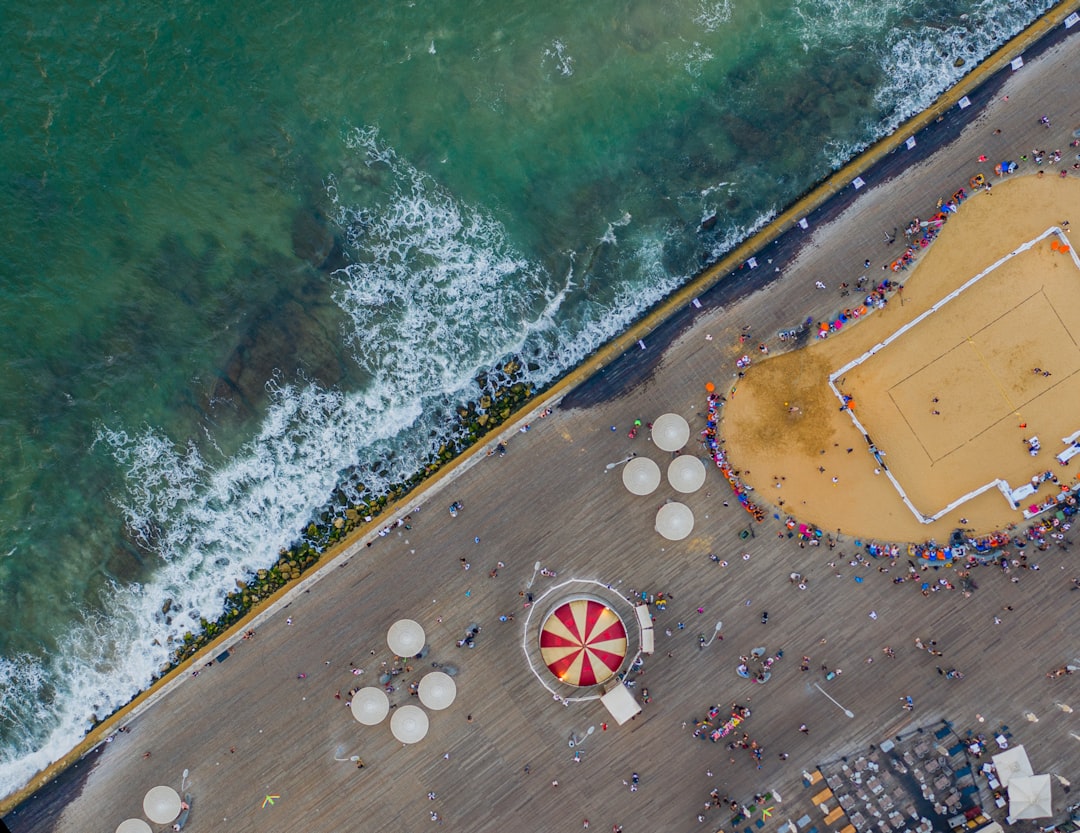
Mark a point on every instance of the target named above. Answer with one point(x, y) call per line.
point(583, 642)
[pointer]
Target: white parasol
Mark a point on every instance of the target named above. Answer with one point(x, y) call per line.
point(1012, 763)
point(674, 521)
point(409, 724)
point(641, 476)
point(670, 432)
point(406, 638)
point(161, 805)
point(686, 474)
point(1029, 797)
point(134, 826)
point(369, 705)
point(437, 690)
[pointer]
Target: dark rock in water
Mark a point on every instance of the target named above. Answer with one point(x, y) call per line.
point(709, 222)
point(746, 136)
point(292, 335)
point(312, 239)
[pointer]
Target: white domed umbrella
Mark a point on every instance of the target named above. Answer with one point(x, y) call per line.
point(409, 724)
point(161, 805)
point(1012, 763)
point(1029, 797)
point(369, 705)
point(674, 521)
point(134, 826)
point(670, 432)
point(686, 474)
point(406, 638)
point(437, 690)
point(641, 476)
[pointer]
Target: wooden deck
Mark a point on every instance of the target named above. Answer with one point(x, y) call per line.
point(552, 500)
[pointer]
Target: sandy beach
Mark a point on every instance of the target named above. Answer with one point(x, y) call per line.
point(269, 718)
point(946, 401)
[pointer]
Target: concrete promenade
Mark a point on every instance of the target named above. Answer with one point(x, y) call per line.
point(249, 726)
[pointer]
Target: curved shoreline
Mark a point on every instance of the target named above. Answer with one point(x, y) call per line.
point(599, 361)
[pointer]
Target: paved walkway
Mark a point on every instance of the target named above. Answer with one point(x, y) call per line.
point(250, 726)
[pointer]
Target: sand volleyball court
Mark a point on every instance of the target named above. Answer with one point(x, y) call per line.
point(977, 355)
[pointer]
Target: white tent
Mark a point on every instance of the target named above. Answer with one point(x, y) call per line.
point(674, 521)
point(670, 432)
point(1012, 763)
point(1029, 797)
point(409, 724)
point(134, 826)
point(369, 705)
point(686, 473)
point(437, 690)
point(161, 805)
point(641, 476)
point(620, 703)
point(406, 638)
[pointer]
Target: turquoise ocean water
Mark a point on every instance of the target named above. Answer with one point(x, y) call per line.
point(189, 364)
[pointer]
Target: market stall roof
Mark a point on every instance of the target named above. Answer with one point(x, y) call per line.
point(670, 432)
point(686, 473)
point(620, 703)
point(406, 638)
point(674, 521)
point(437, 690)
point(134, 826)
point(161, 805)
point(641, 476)
point(1012, 763)
point(1029, 797)
point(583, 642)
point(369, 705)
point(409, 724)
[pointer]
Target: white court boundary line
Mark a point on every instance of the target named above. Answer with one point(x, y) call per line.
point(999, 484)
point(566, 701)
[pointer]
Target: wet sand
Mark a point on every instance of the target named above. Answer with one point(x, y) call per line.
point(553, 499)
point(946, 400)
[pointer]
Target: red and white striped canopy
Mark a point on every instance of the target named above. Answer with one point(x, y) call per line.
point(583, 642)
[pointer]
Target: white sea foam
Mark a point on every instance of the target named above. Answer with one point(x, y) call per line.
point(734, 234)
point(712, 14)
point(556, 56)
point(609, 235)
point(919, 63)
